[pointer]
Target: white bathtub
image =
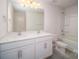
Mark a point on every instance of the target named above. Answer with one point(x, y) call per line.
point(72, 44)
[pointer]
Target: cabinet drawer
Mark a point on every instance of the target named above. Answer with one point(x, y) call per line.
point(16, 44)
point(44, 38)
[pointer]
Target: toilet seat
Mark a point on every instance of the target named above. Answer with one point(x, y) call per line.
point(61, 44)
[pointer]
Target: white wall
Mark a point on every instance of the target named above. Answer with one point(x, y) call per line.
point(54, 19)
point(10, 17)
point(3, 17)
point(71, 20)
point(71, 27)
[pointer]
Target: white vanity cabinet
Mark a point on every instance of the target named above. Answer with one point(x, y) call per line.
point(44, 47)
point(34, 48)
point(26, 52)
point(40, 50)
point(18, 50)
point(9, 54)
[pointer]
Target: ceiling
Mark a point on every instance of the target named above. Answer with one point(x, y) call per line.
point(65, 3)
point(60, 3)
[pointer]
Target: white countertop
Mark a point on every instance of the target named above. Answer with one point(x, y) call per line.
point(11, 37)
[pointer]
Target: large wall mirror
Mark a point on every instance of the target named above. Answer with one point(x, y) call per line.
point(23, 18)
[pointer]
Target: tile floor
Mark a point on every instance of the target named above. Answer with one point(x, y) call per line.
point(57, 55)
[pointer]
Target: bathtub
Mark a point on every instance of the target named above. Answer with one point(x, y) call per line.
point(71, 42)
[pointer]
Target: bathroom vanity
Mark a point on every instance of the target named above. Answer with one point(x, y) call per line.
point(33, 46)
point(25, 45)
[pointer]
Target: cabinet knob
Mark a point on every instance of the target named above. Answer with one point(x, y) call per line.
point(20, 54)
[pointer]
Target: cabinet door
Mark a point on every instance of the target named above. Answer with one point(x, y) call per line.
point(11, 54)
point(40, 50)
point(28, 52)
point(49, 48)
point(43, 49)
point(3, 17)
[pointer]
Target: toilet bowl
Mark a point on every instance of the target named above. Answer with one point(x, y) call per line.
point(60, 47)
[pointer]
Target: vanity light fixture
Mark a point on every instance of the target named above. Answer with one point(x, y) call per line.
point(30, 3)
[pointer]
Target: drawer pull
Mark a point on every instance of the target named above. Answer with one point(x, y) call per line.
point(20, 54)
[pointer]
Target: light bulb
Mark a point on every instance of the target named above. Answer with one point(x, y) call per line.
point(34, 3)
point(38, 5)
point(30, 3)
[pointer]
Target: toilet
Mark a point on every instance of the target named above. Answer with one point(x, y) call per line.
point(60, 46)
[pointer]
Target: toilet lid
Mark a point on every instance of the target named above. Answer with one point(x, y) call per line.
point(61, 44)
